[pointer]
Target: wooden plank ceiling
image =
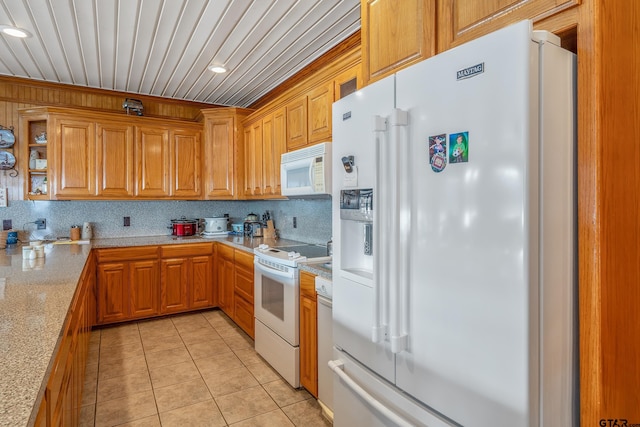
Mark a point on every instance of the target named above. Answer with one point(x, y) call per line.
point(163, 47)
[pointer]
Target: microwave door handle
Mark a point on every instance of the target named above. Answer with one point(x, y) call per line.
point(311, 170)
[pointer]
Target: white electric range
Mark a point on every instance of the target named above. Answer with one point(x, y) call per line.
point(277, 304)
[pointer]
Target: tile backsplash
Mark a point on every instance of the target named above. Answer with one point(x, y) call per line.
point(150, 218)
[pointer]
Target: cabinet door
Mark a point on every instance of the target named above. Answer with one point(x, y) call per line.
point(143, 288)
point(347, 82)
point(253, 160)
point(74, 161)
point(462, 21)
point(186, 161)
point(201, 292)
point(173, 285)
point(308, 333)
point(309, 345)
point(219, 152)
point(273, 146)
point(114, 149)
point(113, 291)
point(297, 124)
point(243, 315)
point(395, 34)
point(225, 268)
point(152, 162)
point(319, 114)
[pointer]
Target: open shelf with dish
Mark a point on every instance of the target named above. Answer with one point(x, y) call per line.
point(33, 133)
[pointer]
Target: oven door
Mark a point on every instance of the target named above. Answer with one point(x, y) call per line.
point(277, 302)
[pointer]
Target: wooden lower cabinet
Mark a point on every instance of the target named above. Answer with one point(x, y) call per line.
point(127, 283)
point(187, 277)
point(234, 276)
point(243, 292)
point(62, 399)
point(308, 333)
point(225, 276)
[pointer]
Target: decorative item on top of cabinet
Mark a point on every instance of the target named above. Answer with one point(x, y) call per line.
point(223, 147)
point(462, 21)
point(395, 35)
point(308, 333)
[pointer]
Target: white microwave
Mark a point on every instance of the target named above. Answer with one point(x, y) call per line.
point(306, 172)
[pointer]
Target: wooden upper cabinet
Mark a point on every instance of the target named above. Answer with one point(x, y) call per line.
point(253, 160)
point(223, 145)
point(273, 146)
point(114, 161)
point(186, 163)
point(396, 34)
point(319, 102)
point(74, 158)
point(460, 21)
point(297, 124)
point(152, 162)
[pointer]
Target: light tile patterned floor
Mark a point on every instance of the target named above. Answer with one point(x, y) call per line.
point(188, 370)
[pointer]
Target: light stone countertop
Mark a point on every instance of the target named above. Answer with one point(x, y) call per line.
point(35, 296)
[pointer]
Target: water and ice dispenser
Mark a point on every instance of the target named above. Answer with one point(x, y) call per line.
point(356, 216)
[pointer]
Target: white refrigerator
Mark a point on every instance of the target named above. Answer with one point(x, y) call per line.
point(454, 228)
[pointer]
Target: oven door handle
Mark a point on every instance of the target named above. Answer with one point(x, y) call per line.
point(268, 271)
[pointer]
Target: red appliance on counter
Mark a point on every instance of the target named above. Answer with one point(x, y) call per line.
point(184, 227)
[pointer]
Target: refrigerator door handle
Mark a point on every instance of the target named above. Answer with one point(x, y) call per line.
point(380, 244)
point(402, 225)
point(337, 366)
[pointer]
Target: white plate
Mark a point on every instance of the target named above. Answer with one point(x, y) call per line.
point(7, 138)
point(7, 160)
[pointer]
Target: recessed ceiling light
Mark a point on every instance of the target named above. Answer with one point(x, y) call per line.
point(14, 31)
point(217, 69)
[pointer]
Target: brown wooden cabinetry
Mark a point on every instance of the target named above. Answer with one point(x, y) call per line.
point(460, 21)
point(225, 277)
point(128, 283)
point(186, 163)
point(74, 169)
point(308, 333)
point(243, 291)
point(63, 394)
point(114, 159)
point(223, 148)
point(186, 280)
point(309, 117)
point(395, 35)
point(234, 277)
point(253, 153)
point(152, 162)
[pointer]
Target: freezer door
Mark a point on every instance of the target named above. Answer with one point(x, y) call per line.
point(472, 256)
point(354, 296)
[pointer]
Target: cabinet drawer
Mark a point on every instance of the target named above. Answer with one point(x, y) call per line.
point(244, 285)
point(127, 254)
point(243, 315)
point(225, 251)
point(181, 251)
point(244, 260)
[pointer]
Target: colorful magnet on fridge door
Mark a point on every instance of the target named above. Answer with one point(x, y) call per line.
point(459, 147)
point(438, 152)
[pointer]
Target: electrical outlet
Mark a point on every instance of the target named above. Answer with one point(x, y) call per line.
point(41, 223)
point(295, 222)
point(127, 221)
point(6, 224)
